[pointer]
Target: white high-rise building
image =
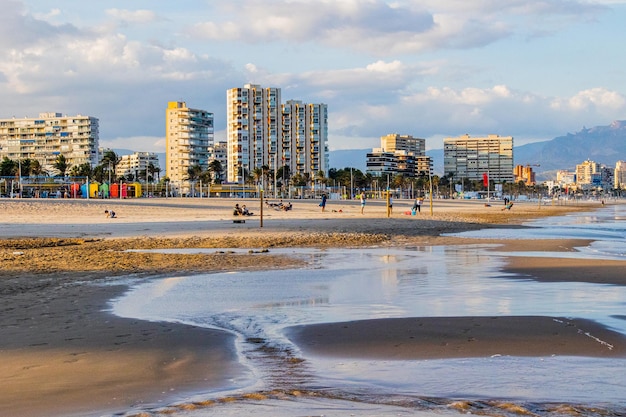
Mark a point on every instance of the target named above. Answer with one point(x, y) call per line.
point(304, 138)
point(46, 137)
point(188, 135)
point(620, 175)
point(253, 130)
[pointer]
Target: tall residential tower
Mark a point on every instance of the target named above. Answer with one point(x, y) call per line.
point(253, 129)
point(263, 132)
point(304, 138)
point(188, 135)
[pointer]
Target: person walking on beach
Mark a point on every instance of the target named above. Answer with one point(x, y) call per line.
point(362, 202)
point(323, 203)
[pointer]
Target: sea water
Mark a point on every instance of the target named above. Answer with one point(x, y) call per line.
point(342, 285)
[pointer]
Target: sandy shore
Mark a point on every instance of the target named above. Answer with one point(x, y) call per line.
point(64, 354)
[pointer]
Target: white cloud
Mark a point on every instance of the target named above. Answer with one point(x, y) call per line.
point(385, 28)
point(132, 16)
point(595, 98)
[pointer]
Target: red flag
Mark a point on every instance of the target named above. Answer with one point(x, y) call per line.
point(486, 180)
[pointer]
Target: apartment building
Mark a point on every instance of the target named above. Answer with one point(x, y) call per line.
point(140, 165)
point(304, 138)
point(588, 174)
point(619, 177)
point(219, 152)
point(262, 131)
point(396, 142)
point(399, 154)
point(524, 173)
point(253, 130)
point(470, 158)
point(46, 137)
point(188, 136)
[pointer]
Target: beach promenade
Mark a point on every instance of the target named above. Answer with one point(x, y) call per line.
point(63, 261)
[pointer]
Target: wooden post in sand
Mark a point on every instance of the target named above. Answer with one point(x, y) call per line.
point(261, 195)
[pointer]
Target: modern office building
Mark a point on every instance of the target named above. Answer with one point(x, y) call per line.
point(46, 137)
point(399, 154)
point(188, 135)
point(253, 130)
point(304, 138)
point(471, 158)
point(140, 165)
point(620, 175)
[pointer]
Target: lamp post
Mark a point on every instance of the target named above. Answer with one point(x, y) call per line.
point(430, 180)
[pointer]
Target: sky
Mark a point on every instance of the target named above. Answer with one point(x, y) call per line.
point(531, 69)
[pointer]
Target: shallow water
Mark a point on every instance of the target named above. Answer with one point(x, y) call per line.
point(344, 285)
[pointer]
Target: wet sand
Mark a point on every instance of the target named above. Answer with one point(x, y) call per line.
point(459, 337)
point(63, 353)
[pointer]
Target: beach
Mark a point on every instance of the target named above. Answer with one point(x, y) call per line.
point(65, 353)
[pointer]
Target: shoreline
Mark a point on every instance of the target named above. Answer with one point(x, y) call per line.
point(62, 263)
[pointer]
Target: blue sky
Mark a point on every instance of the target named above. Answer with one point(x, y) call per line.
point(532, 69)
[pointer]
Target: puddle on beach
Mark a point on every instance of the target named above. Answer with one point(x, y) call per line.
point(344, 285)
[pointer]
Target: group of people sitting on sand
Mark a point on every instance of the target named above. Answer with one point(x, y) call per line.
point(279, 206)
point(241, 211)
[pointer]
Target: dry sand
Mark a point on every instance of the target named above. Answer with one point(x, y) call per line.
point(63, 353)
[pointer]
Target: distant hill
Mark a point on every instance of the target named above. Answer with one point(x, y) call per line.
point(602, 144)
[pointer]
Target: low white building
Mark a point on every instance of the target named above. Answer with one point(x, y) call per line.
point(143, 166)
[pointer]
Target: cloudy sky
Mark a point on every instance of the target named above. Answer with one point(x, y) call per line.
point(533, 69)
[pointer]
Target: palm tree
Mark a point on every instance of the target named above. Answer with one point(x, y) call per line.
point(257, 174)
point(216, 168)
point(61, 165)
point(109, 162)
point(193, 173)
point(36, 169)
point(153, 170)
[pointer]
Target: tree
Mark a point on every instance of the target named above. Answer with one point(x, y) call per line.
point(193, 173)
point(283, 174)
point(36, 169)
point(61, 165)
point(8, 167)
point(109, 163)
point(82, 170)
point(257, 174)
point(298, 180)
point(320, 177)
point(216, 169)
point(153, 170)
